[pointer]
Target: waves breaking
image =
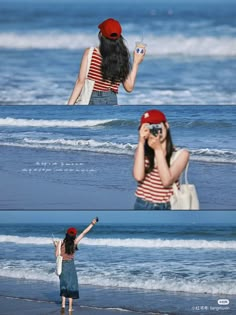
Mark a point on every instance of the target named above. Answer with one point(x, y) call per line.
point(129, 242)
point(44, 123)
point(210, 46)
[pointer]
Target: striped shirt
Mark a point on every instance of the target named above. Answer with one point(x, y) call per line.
point(96, 75)
point(151, 188)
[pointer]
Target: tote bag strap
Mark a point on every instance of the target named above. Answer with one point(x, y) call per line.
point(176, 155)
point(186, 174)
point(90, 53)
point(59, 249)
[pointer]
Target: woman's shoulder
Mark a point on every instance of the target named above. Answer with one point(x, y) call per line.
point(96, 49)
point(86, 51)
point(180, 151)
point(183, 153)
point(92, 51)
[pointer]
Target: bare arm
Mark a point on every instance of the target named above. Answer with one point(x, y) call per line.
point(80, 80)
point(139, 158)
point(88, 228)
point(129, 83)
point(170, 174)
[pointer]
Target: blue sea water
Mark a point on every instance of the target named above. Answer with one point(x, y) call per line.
point(194, 265)
point(191, 49)
point(81, 146)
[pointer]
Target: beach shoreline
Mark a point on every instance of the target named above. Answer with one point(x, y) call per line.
point(14, 306)
point(43, 298)
point(66, 191)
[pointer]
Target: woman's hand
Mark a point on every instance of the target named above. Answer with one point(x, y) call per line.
point(154, 142)
point(144, 132)
point(94, 221)
point(138, 58)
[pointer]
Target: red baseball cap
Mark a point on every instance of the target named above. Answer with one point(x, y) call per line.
point(153, 116)
point(71, 231)
point(110, 28)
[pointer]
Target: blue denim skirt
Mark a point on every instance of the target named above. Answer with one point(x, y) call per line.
point(141, 204)
point(68, 280)
point(103, 98)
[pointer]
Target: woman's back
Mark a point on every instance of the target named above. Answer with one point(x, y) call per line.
point(95, 74)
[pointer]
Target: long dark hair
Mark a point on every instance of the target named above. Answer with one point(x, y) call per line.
point(115, 59)
point(150, 154)
point(69, 244)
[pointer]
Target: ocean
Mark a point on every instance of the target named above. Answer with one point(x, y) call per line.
point(127, 266)
point(191, 49)
point(79, 148)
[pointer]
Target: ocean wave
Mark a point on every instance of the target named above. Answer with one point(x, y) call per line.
point(171, 285)
point(90, 145)
point(213, 155)
point(161, 243)
point(129, 242)
point(76, 145)
point(43, 123)
point(157, 45)
point(116, 123)
point(45, 271)
point(29, 240)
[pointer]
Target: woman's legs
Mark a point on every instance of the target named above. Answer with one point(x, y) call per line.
point(63, 302)
point(70, 304)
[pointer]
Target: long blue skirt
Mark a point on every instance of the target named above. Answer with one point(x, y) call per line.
point(69, 280)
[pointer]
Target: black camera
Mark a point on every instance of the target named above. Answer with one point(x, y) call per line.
point(96, 219)
point(155, 129)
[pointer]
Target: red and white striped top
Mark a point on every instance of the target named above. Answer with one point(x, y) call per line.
point(151, 187)
point(96, 75)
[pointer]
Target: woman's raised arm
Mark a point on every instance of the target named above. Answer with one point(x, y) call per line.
point(88, 228)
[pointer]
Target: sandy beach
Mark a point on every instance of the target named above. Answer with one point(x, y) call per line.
point(20, 191)
point(40, 298)
point(15, 306)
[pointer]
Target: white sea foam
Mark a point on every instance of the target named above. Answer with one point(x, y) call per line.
point(157, 45)
point(45, 271)
point(129, 242)
point(173, 285)
point(76, 145)
point(30, 240)
point(90, 145)
point(52, 123)
point(160, 243)
point(29, 270)
point(213, 155)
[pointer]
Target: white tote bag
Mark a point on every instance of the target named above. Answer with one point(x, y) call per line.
point(87, 89)
point(59, 261)
point(185, 198)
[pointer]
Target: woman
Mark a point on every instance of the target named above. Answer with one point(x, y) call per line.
point(110, 66)
point(152, 164)
point(68, 277)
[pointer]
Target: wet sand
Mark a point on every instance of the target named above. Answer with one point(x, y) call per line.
point(18, 306)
